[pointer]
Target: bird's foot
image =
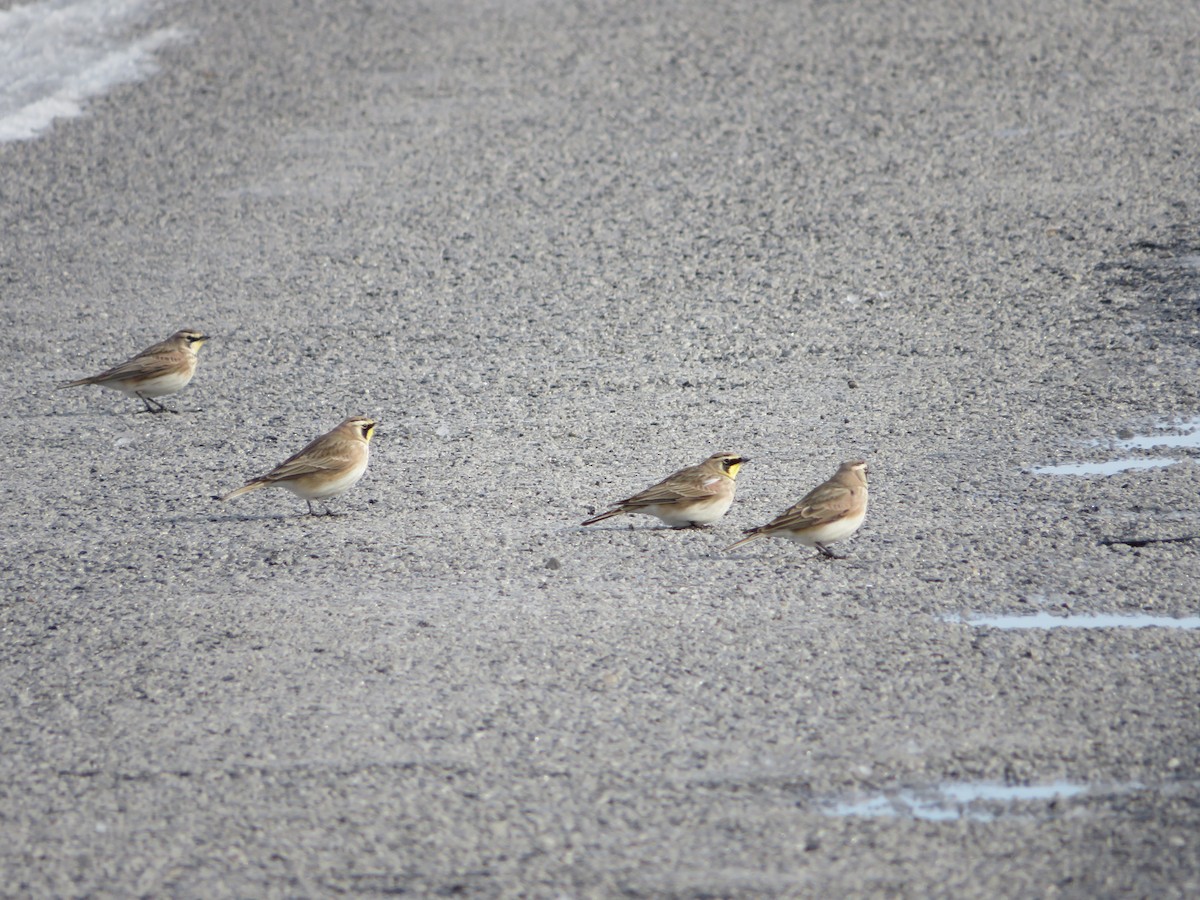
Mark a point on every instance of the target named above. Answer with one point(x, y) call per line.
point(155, 406)
point(324, 510)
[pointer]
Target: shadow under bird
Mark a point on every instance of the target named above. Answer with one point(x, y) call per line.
point(690, 498)
point(165, 368)
point(827, 514)
point(328, 466)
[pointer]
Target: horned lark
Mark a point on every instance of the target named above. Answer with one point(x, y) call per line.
point(163, 369)
point(690, 498)
point(330, 465)
point(829, 513)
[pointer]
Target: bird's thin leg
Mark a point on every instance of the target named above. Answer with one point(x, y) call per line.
point(829, 554)
point(310, 509)
point(158, 407)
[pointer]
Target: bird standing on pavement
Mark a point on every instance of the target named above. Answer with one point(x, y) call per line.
point(690, 498)
point(826, 514)
point(162, 369)
point(330, 465)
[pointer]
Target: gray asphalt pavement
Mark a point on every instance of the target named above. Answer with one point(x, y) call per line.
point(559, 250)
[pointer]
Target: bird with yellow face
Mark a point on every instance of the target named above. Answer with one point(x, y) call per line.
point(690, 498)
point(327, 467)
point(164, 368)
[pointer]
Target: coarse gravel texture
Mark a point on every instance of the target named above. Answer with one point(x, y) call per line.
point(558, 251)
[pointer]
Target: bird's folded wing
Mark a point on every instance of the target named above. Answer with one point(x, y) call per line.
point(828, 503)
point(144, 366)
point(307, 461)
point(298, 468)
point(694, 488)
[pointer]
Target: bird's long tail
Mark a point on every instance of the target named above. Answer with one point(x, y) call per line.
point(751, 535)
point(607, 515)
point(245, 489)
point(78, 382)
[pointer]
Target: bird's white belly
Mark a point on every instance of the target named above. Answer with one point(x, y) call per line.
point(153, 387)
point(312, 488)
point(827, 534)
point(703, 513)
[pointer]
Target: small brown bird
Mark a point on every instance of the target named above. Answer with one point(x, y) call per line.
point(690, 498)
point(330, 465)
point(163, 369)
point(826, 514)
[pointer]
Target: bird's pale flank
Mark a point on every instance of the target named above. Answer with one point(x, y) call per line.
point(164, 368)
point(690, 498)
point(328, 466)
point(827, 514)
